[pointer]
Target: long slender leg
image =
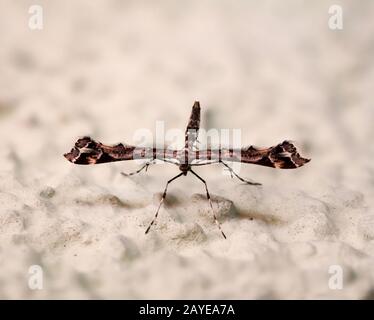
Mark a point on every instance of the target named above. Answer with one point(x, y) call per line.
point(210, 202)
point(170, 161)
point(232, 172)
point(204, 163)
point(145, 166)
point(161, 201)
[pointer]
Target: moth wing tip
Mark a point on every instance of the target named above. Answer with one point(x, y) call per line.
point(72, 155)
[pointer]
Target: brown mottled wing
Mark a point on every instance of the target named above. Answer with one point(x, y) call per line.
point(193, 125)
point(88, 151)
point(282, 156)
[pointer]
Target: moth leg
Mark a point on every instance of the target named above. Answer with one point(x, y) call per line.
point(145, 166)
point(204, 163)
point(231, 175)
point(170, 161)
point(195, 145)
point(232, 172)
point(210, 202)
point(161, 201)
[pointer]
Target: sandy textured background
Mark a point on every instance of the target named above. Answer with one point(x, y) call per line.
point(107, 68)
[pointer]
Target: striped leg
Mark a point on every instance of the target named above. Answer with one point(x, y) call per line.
point(232, 172)
point(145, 166)
point(161, 201)
point(210, 202)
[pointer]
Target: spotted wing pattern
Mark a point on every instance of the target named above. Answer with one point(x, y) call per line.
point(88, 151)
point(282, 156)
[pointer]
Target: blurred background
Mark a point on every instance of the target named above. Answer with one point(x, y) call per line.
point(274, 69)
